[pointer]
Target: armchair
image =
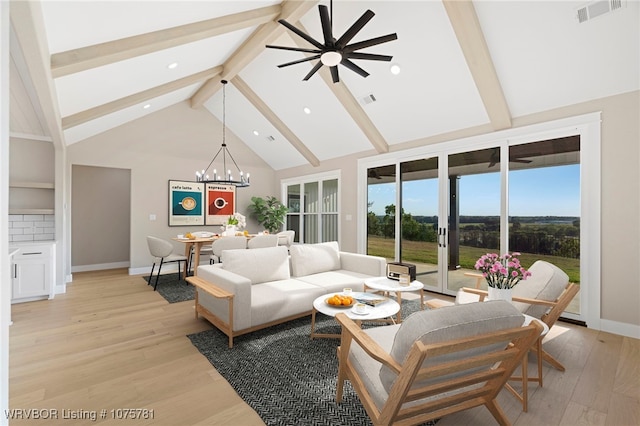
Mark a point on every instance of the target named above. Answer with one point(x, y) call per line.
point(545, 295)
point(435, 363)
point(551, 311)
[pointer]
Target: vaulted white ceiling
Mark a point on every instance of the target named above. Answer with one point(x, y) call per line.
point(463, 64)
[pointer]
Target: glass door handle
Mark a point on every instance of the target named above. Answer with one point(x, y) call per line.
point(442, 237)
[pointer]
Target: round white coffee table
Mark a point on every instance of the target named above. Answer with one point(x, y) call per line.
point(386, 285)
point(385, 309)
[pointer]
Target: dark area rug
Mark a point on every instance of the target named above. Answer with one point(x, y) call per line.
point(286, 377)
point(172, 288)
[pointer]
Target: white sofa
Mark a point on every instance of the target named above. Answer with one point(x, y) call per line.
point(254, 289)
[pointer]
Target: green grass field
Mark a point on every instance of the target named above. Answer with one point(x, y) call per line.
point(423, 252)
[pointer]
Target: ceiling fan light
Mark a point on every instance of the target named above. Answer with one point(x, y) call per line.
point(331, 58)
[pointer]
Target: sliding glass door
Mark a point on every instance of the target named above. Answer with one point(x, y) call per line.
point(443, 212)
point(544, 205)
point(420, 218)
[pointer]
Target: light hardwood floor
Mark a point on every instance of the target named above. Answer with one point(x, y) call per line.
point(111, 342)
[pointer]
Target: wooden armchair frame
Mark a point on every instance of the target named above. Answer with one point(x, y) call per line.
point(557, 307)
point(436, 398)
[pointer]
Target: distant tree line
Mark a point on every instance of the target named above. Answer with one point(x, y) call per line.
point(550, 235)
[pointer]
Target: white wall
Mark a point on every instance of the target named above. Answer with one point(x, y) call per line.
point(620, 184)
point(5, 281)
point(169, 144)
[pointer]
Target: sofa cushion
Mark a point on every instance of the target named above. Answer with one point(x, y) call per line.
point(547, 282)
point(272, 301)
point(450, 323)
point(259, 265)
point(367, 368)
point(331, 281)
point(308, 259)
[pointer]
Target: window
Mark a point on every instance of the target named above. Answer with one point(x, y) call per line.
point(313, 203)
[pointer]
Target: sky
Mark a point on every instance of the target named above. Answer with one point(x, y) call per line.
point(545, 191)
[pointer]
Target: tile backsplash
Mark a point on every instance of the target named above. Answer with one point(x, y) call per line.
point(32, 227)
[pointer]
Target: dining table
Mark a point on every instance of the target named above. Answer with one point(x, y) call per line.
point(195, 244)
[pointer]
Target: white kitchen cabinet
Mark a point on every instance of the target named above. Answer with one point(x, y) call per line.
point(33, 272)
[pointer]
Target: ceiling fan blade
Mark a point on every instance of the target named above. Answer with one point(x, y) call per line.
point(369, 56)
point(353, 67)
point(371, 42)
point(354, 29)
point(295, 49)
point(334, 74)
point(301, 34)
point(313, 71)
point(299, 61)
point(326, 25)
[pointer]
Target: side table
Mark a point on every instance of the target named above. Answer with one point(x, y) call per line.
point(387, 285)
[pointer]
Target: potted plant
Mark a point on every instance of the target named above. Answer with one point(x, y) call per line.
point(502, 273)
point(234, 223)
point(269, 212)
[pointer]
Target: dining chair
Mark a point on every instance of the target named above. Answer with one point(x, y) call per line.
point(204, 249)
point(226, 243)
point(437, 362)
point(162, 252)
point(285, 238)
point(261, 241)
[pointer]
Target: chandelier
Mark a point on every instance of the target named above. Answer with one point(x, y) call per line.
point(224, 178)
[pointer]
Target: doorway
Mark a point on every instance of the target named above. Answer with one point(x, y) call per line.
point(100, 218)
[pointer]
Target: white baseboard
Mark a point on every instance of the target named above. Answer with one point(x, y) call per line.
point(621, 328)
point(100, 266)
point(146, 270)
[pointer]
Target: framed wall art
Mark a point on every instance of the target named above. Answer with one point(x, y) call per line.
point(186, 206)
point(220, 203)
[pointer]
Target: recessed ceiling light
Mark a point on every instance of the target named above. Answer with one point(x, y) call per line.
point(147, 106)
point(172, 65)
point(395, 69)
point(255, 132)
point(307, 110)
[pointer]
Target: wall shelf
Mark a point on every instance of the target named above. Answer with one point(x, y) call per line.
point(31, 211)
point(36, 185)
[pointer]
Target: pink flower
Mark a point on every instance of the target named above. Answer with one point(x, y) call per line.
point(502, 271)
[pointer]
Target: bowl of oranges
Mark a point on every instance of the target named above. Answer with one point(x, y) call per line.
point(340, 301)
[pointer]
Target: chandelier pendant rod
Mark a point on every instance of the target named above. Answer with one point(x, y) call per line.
point(225, 178)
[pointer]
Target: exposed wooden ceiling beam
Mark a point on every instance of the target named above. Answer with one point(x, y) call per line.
point(28, 24)
point(348, 101)
point(136, 98)
point(466, 26)
point(292, 10)
point(262, 107)
point(84, 58)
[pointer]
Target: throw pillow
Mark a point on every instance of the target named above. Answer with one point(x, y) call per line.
point(308, 259)
point(259, 265)
point(547, 282)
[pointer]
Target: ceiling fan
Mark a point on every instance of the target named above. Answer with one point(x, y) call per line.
point(336, 51)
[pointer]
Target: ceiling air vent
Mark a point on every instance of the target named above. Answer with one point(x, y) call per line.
point(598, 8)
point(369, 99)
point(270, 138)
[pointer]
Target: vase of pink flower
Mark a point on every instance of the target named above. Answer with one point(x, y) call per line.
point(502, 273)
